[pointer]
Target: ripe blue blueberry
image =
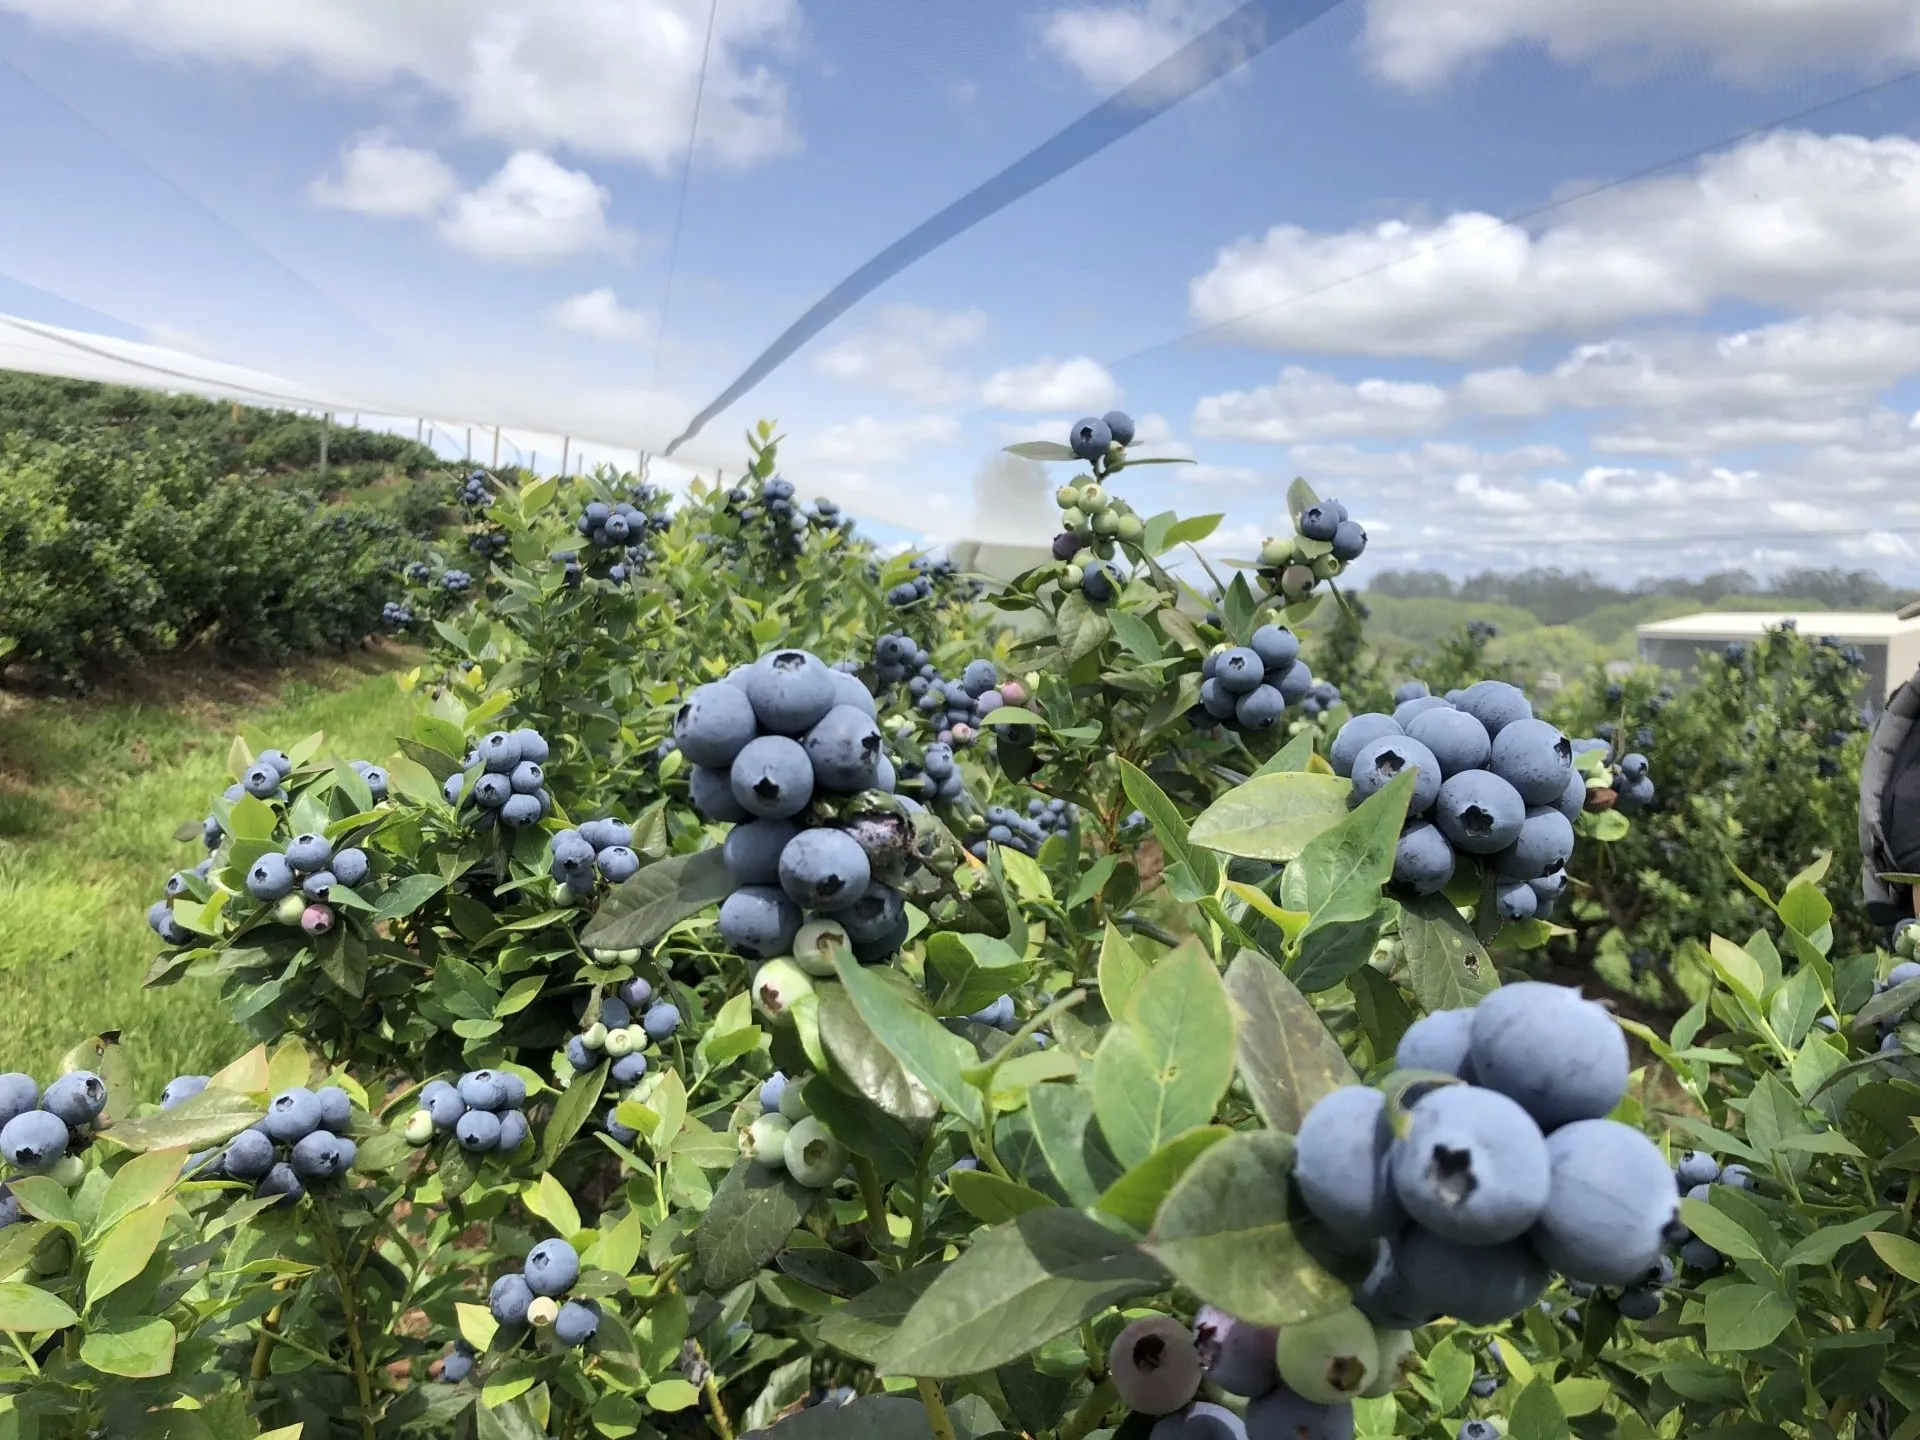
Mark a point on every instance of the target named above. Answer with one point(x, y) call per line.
point(443, 1102)
point(261, 781)
point(310, 852)
point(318, 885)
point(1380, 761)
point(1438, 1042)
point(454, 788)
point(1559, 1056)
point(292, 1115)
point(618, 863)
point(77, 1098)
point(628, 1069)
point(791, 691)
point(249, 1155)
point(1260, 709)
point(1535, 758)
point(1613, 1199)
point(499, 752)
point(527, 778)
point(1349, 540)
point(878, 918)
point(1202, 1420)
point(1477, 1430)
point(483, 1089)
point(509, 1299)
point(636, 992)
point(1573, 799)
point(1119, 426)
point(1237, 1356)
point(520, 811)
point(282, 766)
point(1089, 438)
point(771, 1089)
point(772, 777)
point(34, 1141)
point(1282, 1415)
point(660, 1021)
point(456, 1367)
point(19, 1093)
point(1457, 739)
point(1495, 704)
point(576, 1323)
point(319, 1156)
point(513, 1131)
point(1698, 1255)
point(845, 748)
point(1322, 521)
point(552, 1268)
point(270, 877)
point(1355, 735)
point(1543, 847)
point(1239, 670)
point(1472, 1166)
point(1633, 765)
point(714, 724)
point(1478, 1284)
point(1277, 647)
point(1479, 812)
point(478, 1131)
point(759, 921)
point(1154, 1365)
point(625, 1134)
point(847, 690)
point(181, 1089)
point(492, 791)
point(824, 870)
point(1423, 861)
point(1515, 901)
point(1410, 690)
point(1341, 1164)
point(1696, 1167)
point(281, 1184)
point(999, 1015)
point(752, 850)
point(1738, 1176)
point(336, 1108)
point(378, 782)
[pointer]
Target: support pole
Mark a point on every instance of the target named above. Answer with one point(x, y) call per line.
point(326, 428)
point(496, 447)
point(469, 442)
point(566, 444)
point(419, 428)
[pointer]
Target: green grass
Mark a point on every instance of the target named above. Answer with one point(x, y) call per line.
point(91, 793)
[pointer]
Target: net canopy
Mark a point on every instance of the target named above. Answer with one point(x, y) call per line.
point(1606, 284)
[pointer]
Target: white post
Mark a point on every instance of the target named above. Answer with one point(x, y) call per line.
point(469, 442)
point(496, 447)
point(326, 426)
point(566, 444)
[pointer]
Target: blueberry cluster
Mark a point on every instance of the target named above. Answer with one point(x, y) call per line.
point(614, 1034)
point(418, 573)
point(511, 789)
point(482, 1112)
point(39, 1127)
point(1249, 687)
point(920, 587)
point(396, 615)
point(1901, 1030)
point(773, 747)
point(1500, 1168)
point(1323, 697)
point(624, 527)
point(1325, 541)
point(473, 492)
point(301, 1142)
point(785, 523)
point(785, 1136)
point(1025, 833)
point(160, 914)
point(489, 543)
point(535, 1295)
point(456, 582)
point(1492, 784)
point(599, 849)
point(458, 1363)
point(300, 879)
point(374, 775)
point(1696, 1174)
point(1632, 784)
point(954, 708)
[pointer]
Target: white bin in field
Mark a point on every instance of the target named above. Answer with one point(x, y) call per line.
point(1891, 643)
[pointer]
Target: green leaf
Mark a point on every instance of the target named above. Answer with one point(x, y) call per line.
point(1016, 1287)
point(642, 909)
point(1121, 970)
point(1746, 1317)
point(936, 1056)
point(407, 896)
point(1136, 1196)
point(991, 1200)
point(140, 1181)
point(1168, 828)
point(1295, 755)
point(125, 1251)
point(571, 1111)
point(1829, 1240)
point(1224, 1233)
point(1164, 1066)
point(1042, 450)
point(973, 970)
point(1449, 968)
point(1900, 1254)
point(753, 1211)
point(556, 1207)
point(1136, 635)
point(477, 1325)
point(1191, 530)
point(1288, 1058)
point(23, 1308)
point(863, 1326)
point(140, 1351)
point(1273, 817)
point(1342, 869)
point(861, 1123)
point(1075, 1150)
point(1537, 1414)
point(1080, 627)
point(871, 1417)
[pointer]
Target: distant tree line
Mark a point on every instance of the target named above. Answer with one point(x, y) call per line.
point(1561, 597)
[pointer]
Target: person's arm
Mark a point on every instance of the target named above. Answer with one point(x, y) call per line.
point(1893, 747)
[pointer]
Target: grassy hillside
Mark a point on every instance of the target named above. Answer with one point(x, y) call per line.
point(91, 793)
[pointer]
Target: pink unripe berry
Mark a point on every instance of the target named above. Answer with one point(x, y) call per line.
point(317, 919)
point(1013, 692)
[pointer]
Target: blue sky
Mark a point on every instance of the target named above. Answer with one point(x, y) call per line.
point(466, 208)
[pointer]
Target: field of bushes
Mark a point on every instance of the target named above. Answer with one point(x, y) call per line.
point(657, 966)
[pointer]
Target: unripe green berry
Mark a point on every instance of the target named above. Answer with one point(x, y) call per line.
point(289, 908)
point(793, 1105)
point(816, 945)
point(1398, 1360)
point(542, 1311)
point(1093, 500)
point(1067, 496)
point(778, 986)
point(1132, 529)
point(419, 1127)
point(1276, 550)
point(1072, 518)
point(814, 1157)
point(620, 1042)
point(1106, 523)
point(1072, 576)
point(595, 1037)
point(1325, 567)
point(764, 1141)
point(68, 1171)
point(1329, 1360)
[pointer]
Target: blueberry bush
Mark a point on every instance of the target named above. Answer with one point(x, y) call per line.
point(780, 990)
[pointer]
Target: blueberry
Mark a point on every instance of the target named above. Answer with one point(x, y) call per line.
point(625, 1134)
point(1381, 761)
point(1639, 1303)
point(1277, 647)
point(1515, 901)
point(77, 1098)
point(1154, 1365)
point(1477, 1429)
point(1479, 812)
point(1633, 765)
point(520, 811)
point(877, 918)
point(1458, 740)
point(1410, 690)
point(1260, 709)
point(771, 1089)
point(615, 1014)
point(999, 1015)
point(509, 1299)
point(1321, 521)
point(824, 870)
point(514, 1129)
point(249, 1155)
point(847, 690)
point(1216, 701)
point(378, 782)
point(483, 1089)
point(1560, 1057)
point(319, 1156)
point(307, 853)
point(281, 1183)
point(19, 1093)
point(752, 850)
point(1355, 735)
point(1903, 972)
point(34, 1141)
point(282, 766)
point(478, 1131)
point(660, 1021)
point(1349, 540)
point(1477, 1284)
point(791, 691)
point(576, 1323)
point(1472, 1166)
point(1698, 1255)
point(628, 1069)
point(845, 748)
point(490, 792)
point(1283, 1415)
point(1438, 1042)
point(712, 794)
point(319, 885)
point(1535, 758)
point(1495, 704)
point(714, 724)
point(1237, 1356)
point(772, 777)
point(456, 1367)
point(552, 1268)
point(1089, 440)
point(1341, 1164)
point(1119, 426)
point(454, 787)
point(1573, 799)
point(292, 1115)
point(527, 778)
point(1202, 1420)
point(1294, 683)
point(636, 992)
point(1738, 1176)
point(336, 1108)
point(759, 921)
point(618, 864)
point(270, 878)
point(443, 1102)
point(1423, 861)
point(1543, 847)
point(1239, 670)
point(1613, 1199)
point(1329, 1359)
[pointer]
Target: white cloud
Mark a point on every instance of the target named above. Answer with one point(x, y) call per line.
point(1110, 46)
point(1422, 42)
point(613, 78)
point(905, 351)
point(1308, 405)
point(1078, 383)
point(532, 210)
point(600, 314)
point(1431, 459)
point(1786, 219)
point(868, 440)
point(379, 176)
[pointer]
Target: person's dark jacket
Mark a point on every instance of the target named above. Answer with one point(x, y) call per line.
point(1890, 807)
